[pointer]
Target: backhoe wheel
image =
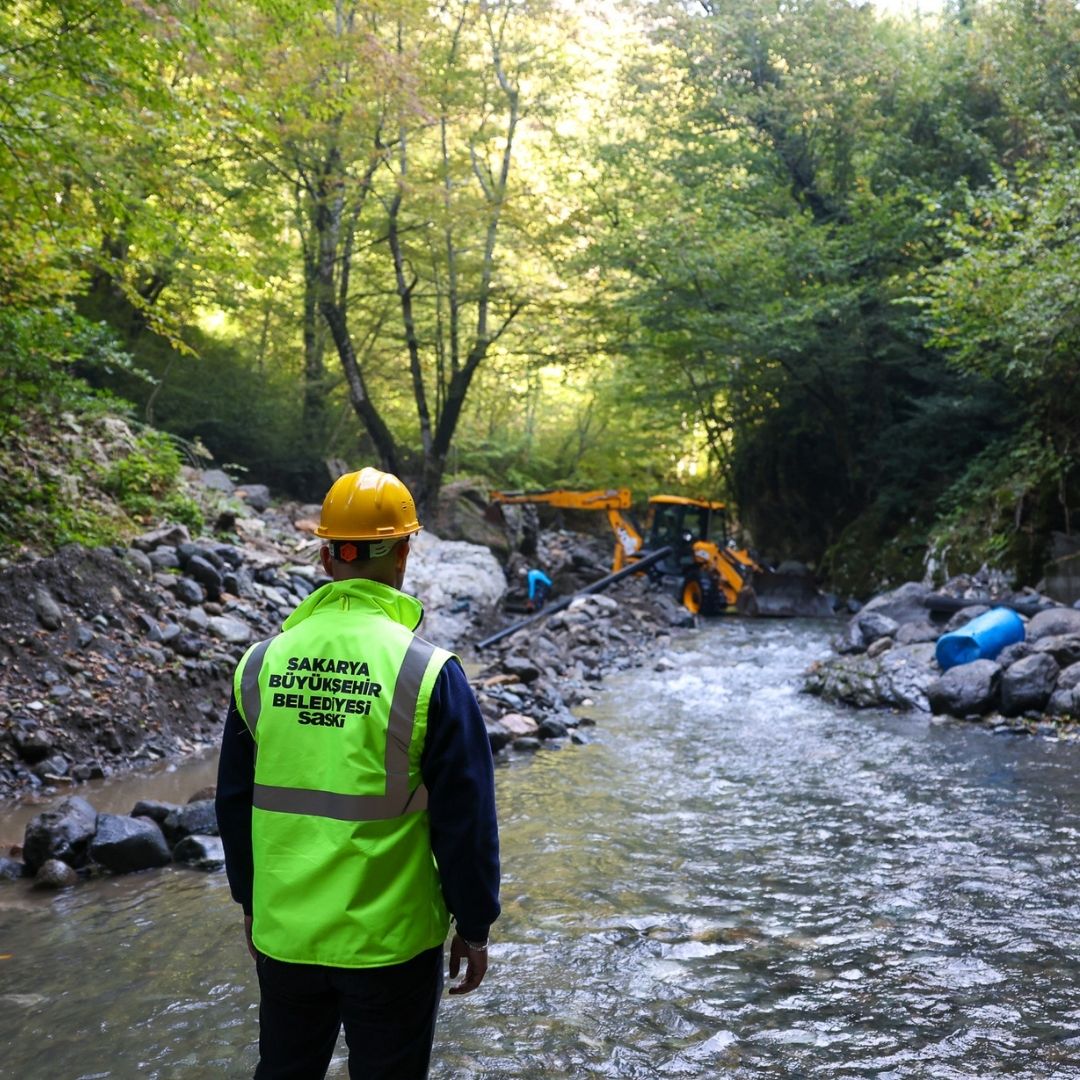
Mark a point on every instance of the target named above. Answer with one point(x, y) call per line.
point(691, 596)
point(713, 599)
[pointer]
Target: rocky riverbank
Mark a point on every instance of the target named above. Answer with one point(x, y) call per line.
point(885, 657)
point(114, 658)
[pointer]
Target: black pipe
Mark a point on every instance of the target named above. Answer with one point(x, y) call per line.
point(566, 601)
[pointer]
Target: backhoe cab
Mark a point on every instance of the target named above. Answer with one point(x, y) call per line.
point(711, 571)
point(710, 574)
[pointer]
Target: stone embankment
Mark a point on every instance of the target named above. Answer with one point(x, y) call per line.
point(885, 657)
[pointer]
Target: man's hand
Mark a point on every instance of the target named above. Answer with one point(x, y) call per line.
point(476, 963)
point(247, 937)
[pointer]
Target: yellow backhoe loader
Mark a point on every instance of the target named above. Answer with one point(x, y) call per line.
point(712, 574)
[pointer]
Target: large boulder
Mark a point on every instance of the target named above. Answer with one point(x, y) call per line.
point(456, 583)
point(904, 604)
point(1064, 702)
point(62, 833)
point(195, 818)
point(966, 690)
point(898, 678)
point(1069, 677)
point(1028, 683)
point(200, 852)
point(1064, 648)
point(464, 514)
point(125, 845)
point(1052, 622)
point(874, 625)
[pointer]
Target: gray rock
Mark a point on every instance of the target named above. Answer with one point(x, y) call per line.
point(551, 728)
point(240, 582)
point(916, 633)
point(966, 690)
point(904, 604)
point(206, 574)
point(148, 625)
point(195, 619)
point(33, 745)
point(446, 573)
point(964, 616)
point(1011, 653)
point(878, 646)
point(10, 869)
point(47, 609)
point(140, 560)
point(193, 818)
point(200, 851)
point(257, 496)
point(673, 613)
point(498, 736)
point(851, 640)
point(54, 874)
point(62, 833)
point(190, 645)
point(53, 766)
point(874, 625)
point(527, 744)
point(126, 845)
point(1069, 678)
point(173, 535)
point(1064, 648)
point(521, 667)
point(165, 557)
point(189, 591)
point(1054, 621)
point(217, 480)
point(233, 631)
point(156, 811)
point(1028, 683)
point(897, 679)
point(1064, 702)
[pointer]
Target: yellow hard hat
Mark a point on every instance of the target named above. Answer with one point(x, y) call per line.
point(367, 505)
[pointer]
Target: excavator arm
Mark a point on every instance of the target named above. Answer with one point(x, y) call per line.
point(628, 540)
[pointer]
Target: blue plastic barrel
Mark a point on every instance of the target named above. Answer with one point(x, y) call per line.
point(981, 639)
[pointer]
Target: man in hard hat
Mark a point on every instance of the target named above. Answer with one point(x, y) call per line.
point(356, 807)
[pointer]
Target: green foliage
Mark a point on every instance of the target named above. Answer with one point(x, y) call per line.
point(72, 469)
point(785, 252)
point(39, 348)
point(144, 482)
point(1001, 508)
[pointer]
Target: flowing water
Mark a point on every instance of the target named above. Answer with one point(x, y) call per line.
point(732, 880)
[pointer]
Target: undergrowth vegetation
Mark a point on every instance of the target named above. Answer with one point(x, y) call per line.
point(76, 466)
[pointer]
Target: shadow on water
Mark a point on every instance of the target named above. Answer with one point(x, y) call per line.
point(732, 880)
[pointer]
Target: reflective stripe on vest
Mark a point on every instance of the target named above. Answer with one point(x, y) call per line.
point(397, 800)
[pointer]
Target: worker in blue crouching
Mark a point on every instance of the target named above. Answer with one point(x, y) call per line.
point(356, 806)
point(539, 587)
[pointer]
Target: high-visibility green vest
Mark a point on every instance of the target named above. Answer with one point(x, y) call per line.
point(337, 704)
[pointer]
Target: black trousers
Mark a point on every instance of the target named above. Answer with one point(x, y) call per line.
point(388, 1013)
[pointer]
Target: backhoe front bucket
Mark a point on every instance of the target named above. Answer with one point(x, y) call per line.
point(783, 595)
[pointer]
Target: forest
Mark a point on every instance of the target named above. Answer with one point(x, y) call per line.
point(817, 258)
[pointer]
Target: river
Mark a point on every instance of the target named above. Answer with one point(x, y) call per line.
point(731, 880)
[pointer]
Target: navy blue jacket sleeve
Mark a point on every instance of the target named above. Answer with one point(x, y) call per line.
point(460, 777)
point(235, 787)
